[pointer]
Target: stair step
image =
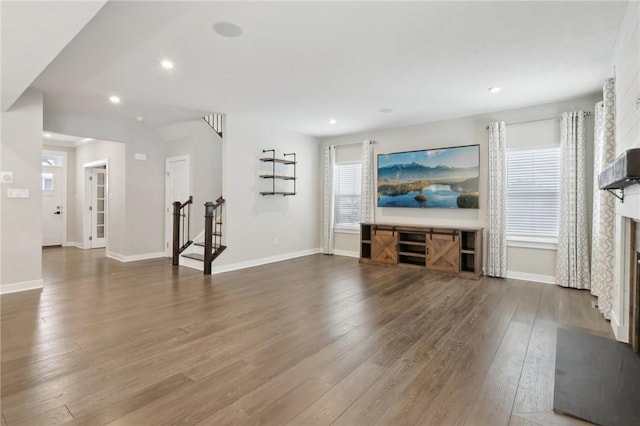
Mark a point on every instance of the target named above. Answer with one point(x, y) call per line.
point(218, 252)
point(201, 245)
point(196, 256)
point(200, 257)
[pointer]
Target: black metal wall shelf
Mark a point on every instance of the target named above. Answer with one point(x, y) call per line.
point(275, 177)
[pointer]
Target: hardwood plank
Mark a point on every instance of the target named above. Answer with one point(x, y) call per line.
point(285, 408)
point(55, 416)
point(312, 340)
point(497, 393)
point(328, 407)
point(535, 388)
point(92, 411)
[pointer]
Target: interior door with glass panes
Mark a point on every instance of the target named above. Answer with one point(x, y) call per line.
point(98, 207)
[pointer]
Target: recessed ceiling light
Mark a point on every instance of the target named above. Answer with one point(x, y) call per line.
point(386, 110)
point(495, 89)
point(47, 135)
point(114, 99)
point(227, 29)
point(86, 140)
point(167, 64)
point(140, 118)
point(332, 121)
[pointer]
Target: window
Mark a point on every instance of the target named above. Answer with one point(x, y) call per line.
point(52, 160)
point(533, 192)
point(347, 190)
point(47, 181)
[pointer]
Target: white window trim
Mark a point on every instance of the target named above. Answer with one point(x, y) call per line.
point(541, 243)
point(347, 230)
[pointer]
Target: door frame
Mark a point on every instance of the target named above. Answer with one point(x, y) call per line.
point(65, 210)
point(86, 202)
point(168, 220)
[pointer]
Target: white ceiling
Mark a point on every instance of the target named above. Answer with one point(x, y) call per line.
point(299, 64)
point(32, 35)
point(57, 139)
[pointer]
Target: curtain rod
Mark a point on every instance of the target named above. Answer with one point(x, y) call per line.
point(586, 114)
point(352, 144)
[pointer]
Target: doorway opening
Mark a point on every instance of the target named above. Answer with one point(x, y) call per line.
point(177, 188)
point(54, 198)
point(96, 204)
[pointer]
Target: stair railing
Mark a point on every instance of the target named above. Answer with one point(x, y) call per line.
point(181, 221)
point(215, 122)
point(213, 216)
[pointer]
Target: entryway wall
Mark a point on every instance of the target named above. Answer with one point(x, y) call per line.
point(93, 152)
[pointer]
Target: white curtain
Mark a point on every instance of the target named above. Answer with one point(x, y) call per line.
point(367, 193)
point(496, 232)
point(603, 228)
point(572, 263)
point(329, 199)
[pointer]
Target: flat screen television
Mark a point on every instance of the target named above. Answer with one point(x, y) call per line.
point(445, 178)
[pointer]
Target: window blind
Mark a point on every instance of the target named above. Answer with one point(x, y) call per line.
point(347, 192)
point(533, 189)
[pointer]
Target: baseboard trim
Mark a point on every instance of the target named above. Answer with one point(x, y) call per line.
point(21, 286)
point(620, 332)
point(74, 244)
point(525, 276)
point(263, 261)
point(347, 253)
point(134, 257)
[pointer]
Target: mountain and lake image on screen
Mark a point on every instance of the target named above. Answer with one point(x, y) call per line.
point(446, 178)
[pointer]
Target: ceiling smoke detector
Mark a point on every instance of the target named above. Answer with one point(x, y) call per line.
point(227, 29)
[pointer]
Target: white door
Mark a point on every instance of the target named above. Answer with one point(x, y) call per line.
point(98, 208)
point(52, 212)
point(176, 189)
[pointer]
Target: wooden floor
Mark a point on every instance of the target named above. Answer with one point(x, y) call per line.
point(315, 340)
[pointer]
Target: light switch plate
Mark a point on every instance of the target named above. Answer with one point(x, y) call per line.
point(6, 177)
point(17, 193)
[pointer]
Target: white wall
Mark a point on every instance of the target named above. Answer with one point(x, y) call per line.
point(626, 61)
point(144, 193)
point(253, 221)
point(204, 148)
point(114, 152)
point(530, 263)
point(21, 219)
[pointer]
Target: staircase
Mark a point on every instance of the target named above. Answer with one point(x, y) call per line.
point(207, 246)
point(215, 122)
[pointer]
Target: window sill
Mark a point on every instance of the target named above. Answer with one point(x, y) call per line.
point(542, 243)
point(355, 231)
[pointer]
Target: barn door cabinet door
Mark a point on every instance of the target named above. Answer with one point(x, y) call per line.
point(384, 246)
point(443, 253)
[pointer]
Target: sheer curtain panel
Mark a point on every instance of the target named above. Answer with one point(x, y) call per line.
point(496, 229)
point(329, 199)
point(572, 263)
point(368, 192)
point(603, 227)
